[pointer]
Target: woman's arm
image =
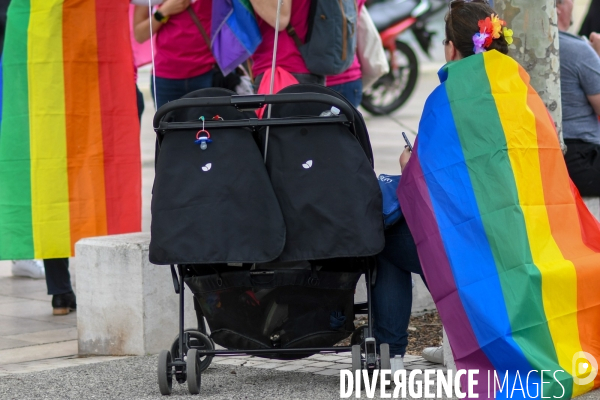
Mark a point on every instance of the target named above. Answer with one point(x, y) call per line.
point(267, 10)
point(404, 157)
point(141, 22)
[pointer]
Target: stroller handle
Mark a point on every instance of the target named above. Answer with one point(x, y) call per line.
point(253, 102)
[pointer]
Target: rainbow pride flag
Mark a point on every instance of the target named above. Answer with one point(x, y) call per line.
point(69, 138)
point(509, 250)
point(235, 34)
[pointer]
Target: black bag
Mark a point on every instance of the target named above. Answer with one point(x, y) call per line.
point(330, 42)
point(277, 308)
point(215, 205)
point(301, 161)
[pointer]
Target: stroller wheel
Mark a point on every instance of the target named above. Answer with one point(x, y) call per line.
point(384, 357)
point(197, 340)
point(356, 358)
point(194, 375)
point(165, 372)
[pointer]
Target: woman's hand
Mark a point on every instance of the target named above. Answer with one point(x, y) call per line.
point(141, 22)
point(173, 7)
point(267, 10)
point(595, 42)
point(404, 157)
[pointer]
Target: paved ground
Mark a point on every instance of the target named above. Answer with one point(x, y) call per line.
point(135, 378)
point(38, 351)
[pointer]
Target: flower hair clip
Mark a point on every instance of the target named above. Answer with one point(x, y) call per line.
point(490, 29)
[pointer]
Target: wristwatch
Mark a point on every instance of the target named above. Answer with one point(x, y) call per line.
point(160, 17)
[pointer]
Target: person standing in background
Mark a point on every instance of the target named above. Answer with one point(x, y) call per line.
point(183, 61)
point(349, 82)
point(288, 56)
point(591, 23)
point(580, 94)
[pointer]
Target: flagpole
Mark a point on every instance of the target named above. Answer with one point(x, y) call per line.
point(279, 2)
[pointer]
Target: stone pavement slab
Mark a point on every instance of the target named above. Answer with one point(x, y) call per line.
point(135, 378)
point(28, 330)
point(38, 352)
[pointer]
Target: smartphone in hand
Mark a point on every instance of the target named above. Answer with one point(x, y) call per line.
point(407, 142)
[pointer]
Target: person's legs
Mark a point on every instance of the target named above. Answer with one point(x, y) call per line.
point(392, 293)
point(140, 102)
point(58, 279)
point(583, 164)
point(199, 82)
point(173, 89)
point(352, 91)
point(58, 283)
point(168, 89)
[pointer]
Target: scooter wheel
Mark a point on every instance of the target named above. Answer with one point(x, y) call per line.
point(393, 89)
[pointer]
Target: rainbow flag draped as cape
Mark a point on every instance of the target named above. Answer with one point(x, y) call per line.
point(510, 252)
point(235, 34)
point(69, 138)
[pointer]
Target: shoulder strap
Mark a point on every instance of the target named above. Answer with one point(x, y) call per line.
point(311, 16)
point(192, 13)
point(292, 32)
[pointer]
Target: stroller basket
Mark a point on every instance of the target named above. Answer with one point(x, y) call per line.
point(282, 308)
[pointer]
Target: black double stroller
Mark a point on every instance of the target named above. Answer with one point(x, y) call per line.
point(269, 222)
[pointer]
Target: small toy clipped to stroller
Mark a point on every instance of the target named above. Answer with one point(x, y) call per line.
point(270, 223)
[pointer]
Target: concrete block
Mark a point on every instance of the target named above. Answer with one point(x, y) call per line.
point(593, 204)
point(125, 305)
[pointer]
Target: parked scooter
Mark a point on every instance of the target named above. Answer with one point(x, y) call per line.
point(392, 17)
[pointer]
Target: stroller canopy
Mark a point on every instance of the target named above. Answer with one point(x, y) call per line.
point(316, 197)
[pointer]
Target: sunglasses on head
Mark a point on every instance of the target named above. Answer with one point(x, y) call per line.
point(456, 3)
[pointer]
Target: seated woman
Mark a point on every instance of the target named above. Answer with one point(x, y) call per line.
point(510, 252)
point(392, 294)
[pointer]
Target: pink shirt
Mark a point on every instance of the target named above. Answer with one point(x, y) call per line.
point(288, 55)
point(181, 51)
point(351, 74)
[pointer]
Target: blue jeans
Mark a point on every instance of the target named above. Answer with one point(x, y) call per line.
point(352, 91)
point(173, 89)
point(392, 294)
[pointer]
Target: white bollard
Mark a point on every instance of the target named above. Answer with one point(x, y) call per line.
point(125, 305)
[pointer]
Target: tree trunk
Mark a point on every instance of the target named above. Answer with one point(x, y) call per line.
point(535, 47)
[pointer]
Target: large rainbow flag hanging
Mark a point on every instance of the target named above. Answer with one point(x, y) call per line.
point(69, 138)
point(510, 252)
point(235, 34)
